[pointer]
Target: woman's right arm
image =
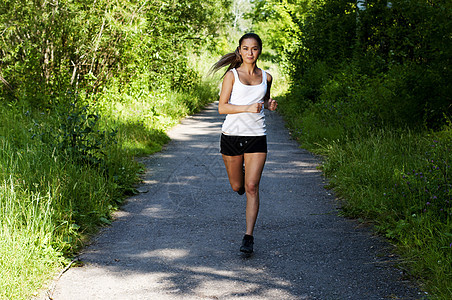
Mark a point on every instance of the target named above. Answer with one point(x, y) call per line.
point(224, 107)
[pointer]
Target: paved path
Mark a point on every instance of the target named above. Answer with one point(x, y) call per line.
point(180, 238)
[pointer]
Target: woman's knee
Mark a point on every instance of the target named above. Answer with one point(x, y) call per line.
point(252, 188)
point(236, 186)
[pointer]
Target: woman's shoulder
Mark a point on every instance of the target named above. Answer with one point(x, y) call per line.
point(229, 77)
point(269, 76)
point(230, 73)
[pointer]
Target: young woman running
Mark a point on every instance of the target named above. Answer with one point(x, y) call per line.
point(244, 94)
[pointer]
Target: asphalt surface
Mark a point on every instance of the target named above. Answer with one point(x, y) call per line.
point(180, 237)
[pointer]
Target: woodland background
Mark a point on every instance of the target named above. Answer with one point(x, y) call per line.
point(89, 85)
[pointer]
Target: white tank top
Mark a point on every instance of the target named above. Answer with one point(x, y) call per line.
point(246, 124)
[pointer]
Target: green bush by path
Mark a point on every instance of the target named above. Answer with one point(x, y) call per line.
point(387, 63)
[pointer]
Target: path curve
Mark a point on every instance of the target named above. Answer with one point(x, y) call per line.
point(180, 237)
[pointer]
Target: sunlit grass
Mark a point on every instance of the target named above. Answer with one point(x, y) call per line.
point(27, 255)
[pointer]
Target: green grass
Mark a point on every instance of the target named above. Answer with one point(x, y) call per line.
point(27, 230)
point(26, 241)
point(397, 179)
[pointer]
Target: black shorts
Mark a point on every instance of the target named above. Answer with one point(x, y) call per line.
point(233, 145)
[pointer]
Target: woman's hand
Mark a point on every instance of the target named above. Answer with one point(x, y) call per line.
point(272, 104)
point(255, 107)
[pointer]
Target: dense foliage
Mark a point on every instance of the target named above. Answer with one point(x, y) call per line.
point(48, 48)
point(391, 60)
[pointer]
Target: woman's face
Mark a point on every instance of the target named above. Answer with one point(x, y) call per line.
point(249, 50)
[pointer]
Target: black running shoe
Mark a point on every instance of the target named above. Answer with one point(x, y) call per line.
point(247, 244)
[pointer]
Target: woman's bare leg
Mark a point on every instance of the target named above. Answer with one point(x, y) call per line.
point(234, 167)
point(254, 165)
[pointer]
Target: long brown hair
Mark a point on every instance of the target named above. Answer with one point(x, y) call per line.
point(233, 59)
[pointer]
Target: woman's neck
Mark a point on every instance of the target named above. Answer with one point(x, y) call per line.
point(249, 68)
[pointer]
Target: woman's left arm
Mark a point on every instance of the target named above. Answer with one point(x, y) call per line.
point(269, 103)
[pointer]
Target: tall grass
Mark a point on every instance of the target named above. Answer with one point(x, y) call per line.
point(27, 236)
point(400, 180)
point(27, 226)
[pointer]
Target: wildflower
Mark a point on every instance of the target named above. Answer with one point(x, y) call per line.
point(428, 203)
